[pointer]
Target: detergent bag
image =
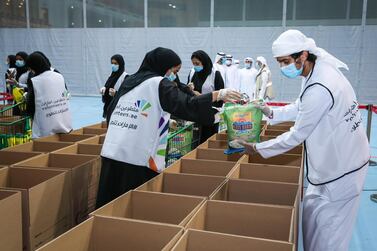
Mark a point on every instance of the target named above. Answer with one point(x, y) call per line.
point(243, 121)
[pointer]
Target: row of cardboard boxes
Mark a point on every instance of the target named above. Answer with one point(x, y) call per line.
point(271, 195)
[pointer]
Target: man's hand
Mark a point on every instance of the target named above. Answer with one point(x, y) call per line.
point(249, 147)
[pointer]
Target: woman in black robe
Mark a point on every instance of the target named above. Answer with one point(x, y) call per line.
point(119, 177)
point(200, 58)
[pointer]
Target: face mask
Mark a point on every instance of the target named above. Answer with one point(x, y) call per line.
point(198, 68)
point(223, 60)
point(247, 65)
point(114, 67)
point(290, 71)
point(171, 77)
point(20, 63)
point(228, 62)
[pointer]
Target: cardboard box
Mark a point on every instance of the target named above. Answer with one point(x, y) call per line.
point(65, 138)
point(104, 234)
point(262, 172)
point(270, 132)
point(260, 192)
point(279, 127)
point(38, 146)
point(84, 171)
point(11, 158)
point(281, 160)
point(155, 207)
point(197, 240)
point(11, 220)
point(201, 167)
point(251, 220)
point(220, 136)
point(103, 124)
point(212, 154)
point(297, 150)
point(46, 206)
point(97, 140)
point(186, 184)
point(88, 149)
point(90, 131)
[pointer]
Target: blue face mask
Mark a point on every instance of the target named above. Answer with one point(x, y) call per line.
point(171, 77)
point(198, 68)
point(290, 71)
point(223, 60)
point(20, 63)
point(114, 67)
point(247, 65)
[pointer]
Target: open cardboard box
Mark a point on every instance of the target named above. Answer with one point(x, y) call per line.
point(156, 207)
point(88, 149)
point(297, 150)
point(279, 127)
point(46, 206)
point(106, 233)
point(11, 158)
point(186, 184)
point(212, 154)
point(73, 138)
point(262, 172)
point(97, 140)
point(103, 124)
point(201, 167)
point(84, 171)
point(11, 220)
point(281, 160)
point(251, 220)
point(270, 132)
point(197, 240)
point(90, 131)
point(38, 146)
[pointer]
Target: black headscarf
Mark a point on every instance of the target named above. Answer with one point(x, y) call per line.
point(12, 61)
point(23, 69)
point(45, 57)
point(155, 63)
point(113, 78)
point(200, 77)
point(37, 63)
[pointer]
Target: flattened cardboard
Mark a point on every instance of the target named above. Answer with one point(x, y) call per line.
point(212, 154)
point(38, 146)
point(251, 171)
point(201, 167)
point(97, 140)
point(197, 240)
point(154, 207)
point(87, 149)
point(46, 206)
point(84, 171)
point(11, 158)
point(73, 138)
point(104, 234)
point(259, 192)
point(186, 184)
point(251, 220)
point(90, 131)
point(281, 160)
point(11, 220)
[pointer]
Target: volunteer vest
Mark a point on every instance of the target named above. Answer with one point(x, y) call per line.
point(52, 114)
point(208, 85)
point(138, 128)
point(338, 145)
point(120, 80)
point(247, 82)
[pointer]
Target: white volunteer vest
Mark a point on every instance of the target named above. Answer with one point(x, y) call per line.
point(247, 82)
point(208, 85)
point(52, 113)
point(120, 81)
point(338, 145)
point(138, 128)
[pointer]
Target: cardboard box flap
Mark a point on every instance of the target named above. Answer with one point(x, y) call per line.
point(38, 146)
point(88, 149)
point(65, 138)
point(283, 159)
point(10, 158)
point(201, 167)
point(212, 154)
point(196, 240)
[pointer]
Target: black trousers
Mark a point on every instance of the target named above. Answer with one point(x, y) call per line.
point(208, 131)
point(118, 178)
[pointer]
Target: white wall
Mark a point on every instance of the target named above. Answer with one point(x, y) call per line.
point(83, 55)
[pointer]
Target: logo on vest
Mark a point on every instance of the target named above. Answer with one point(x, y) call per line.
point(144, 106)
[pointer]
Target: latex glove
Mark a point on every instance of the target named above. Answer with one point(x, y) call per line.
point(102, 90)
point(266, 110)
point(250, 148)
point(191, 86)
point(173, 124)
point(229, 95)
point(112, 92)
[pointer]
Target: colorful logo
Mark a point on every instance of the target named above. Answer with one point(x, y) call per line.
point(143, 105)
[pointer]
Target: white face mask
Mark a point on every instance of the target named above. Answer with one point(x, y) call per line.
point(228, 62)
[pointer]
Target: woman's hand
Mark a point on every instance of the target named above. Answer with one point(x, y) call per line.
point(112, 92)
point(102, 90)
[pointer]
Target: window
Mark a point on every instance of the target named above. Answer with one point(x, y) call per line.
point(228, 13)
point(324, 12)
point(264, 13)
point(13, 14)
point(56, 14)
point(372, 12)
point(179, 13)
point(115, 13)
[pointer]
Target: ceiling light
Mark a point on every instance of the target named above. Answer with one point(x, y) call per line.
point(99, 21)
